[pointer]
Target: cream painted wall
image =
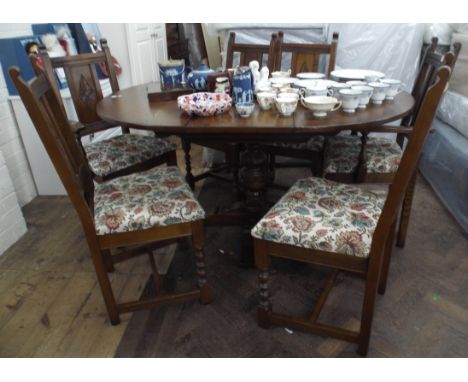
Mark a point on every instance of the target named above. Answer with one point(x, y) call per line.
point(116, 36)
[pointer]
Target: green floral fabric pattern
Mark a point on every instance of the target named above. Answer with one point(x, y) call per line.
point(154, 198)
point(113, 154)
point(320, 214)
point(383, 155)
point(313, 144)
point(342, 155)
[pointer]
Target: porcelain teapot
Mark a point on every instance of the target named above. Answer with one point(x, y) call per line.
point(198, 78)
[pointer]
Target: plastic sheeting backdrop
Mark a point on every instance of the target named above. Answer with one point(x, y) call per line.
point(393, 49)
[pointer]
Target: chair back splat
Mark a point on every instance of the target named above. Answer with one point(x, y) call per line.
point(412, 153)
point(306, 57)
point(82, 79)
point(53, 127)
point(263, 53)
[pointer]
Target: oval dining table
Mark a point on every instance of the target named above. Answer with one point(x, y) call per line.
point(132, 108)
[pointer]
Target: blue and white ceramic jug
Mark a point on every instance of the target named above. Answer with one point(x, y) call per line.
point(242, 86)
point(198, 78)
point(171, 72)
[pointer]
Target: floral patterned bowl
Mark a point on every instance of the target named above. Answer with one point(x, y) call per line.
point(204, 104)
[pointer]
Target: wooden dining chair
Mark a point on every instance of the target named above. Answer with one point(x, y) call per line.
point(113, 157)
point(237, 54)
point(343, 227)
point(353, 158)
point(304, 58)
point(124, 217)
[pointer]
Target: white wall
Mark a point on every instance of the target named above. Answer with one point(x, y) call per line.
point(10, 140)
point(116, 36)
point(16, 183)
point(12, 224)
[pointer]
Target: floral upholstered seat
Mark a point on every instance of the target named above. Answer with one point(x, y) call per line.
point(324, 215)
point(114, 154)
point(157, 197)
point(313, 144)
point(342, 155)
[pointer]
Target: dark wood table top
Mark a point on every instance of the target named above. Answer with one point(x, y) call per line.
point(131, 107)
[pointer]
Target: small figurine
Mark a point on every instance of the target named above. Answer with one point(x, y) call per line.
point(263, 80)
point(254, 66)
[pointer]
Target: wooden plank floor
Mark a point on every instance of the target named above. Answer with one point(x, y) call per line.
point(424, 312)
point(50, 304)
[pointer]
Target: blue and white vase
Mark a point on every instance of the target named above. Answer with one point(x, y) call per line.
point(198, 78)
point(242, 86)
point(171, 72)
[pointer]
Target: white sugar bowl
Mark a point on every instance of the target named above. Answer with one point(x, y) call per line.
point(366, 93)
point(321, 105)
point(379, 93)
point(394, 87)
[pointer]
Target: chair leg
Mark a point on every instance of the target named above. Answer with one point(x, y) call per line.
point(386, 259)
point(262, 260)
point(188, 165)
point(105, 285)
point(206, 295)
point(235, 170)
point(172, 158)
point(405, 212)
point(107, 260)
point(370, 294)
point(272, 167)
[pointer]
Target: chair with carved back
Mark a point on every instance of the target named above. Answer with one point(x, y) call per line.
point(304, 58)
point(340, 226)
point(237, 54)
point(113, 157)
point(374, 159)
point(124, 217)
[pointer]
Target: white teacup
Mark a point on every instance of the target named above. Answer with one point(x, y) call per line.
point(286, 104)
point(379, 93)
point(266, 100)
point(371, 78)
point(350, 99)
point(317, 90)
point(321, 105)
point(394, 87)
point(355, 83)
point(289, 90)
point(365, 96)
point(283, 74)
point(335, 89)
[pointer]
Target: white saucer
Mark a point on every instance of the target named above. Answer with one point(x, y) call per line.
point(313, 83)
point(355, 74)
point(283, 80)
point(310, 76)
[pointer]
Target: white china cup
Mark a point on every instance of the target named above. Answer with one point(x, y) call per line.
point(365, 96)
point(286, 104)
point(282, 74)
point(266, 100)
point(335, 89)
point(371, 78)
point(394, 87)
point(289, 90)
point(350, 99)
point(321, 105)
point(379, 93)
point(317, 90)
point(355, 83)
